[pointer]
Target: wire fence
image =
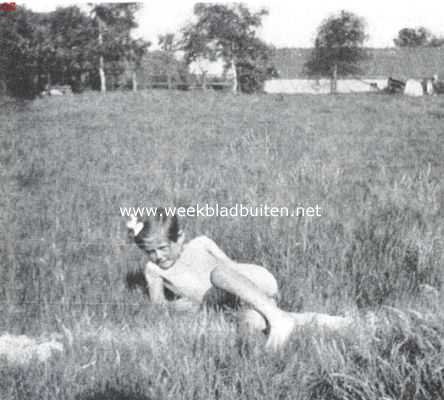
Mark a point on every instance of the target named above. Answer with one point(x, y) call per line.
point(59, 304)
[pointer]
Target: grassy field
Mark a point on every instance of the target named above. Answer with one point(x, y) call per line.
point(373, 163)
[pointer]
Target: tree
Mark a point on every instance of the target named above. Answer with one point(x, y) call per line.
point(67, 46)
point(338, 47)
point(417, 37)
point(412, 37)
point(71, 39)
point(40, 49)
point(158, 66)
point(136, 50)
point(168, 45)
point(21, 50)
point(228, 32)
point(114, 22)
point(436, 41)
point(168, 42)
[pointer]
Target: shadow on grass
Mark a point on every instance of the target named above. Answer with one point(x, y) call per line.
point(113, 394)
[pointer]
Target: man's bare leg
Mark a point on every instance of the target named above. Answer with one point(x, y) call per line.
point(251, 322)
point(281, 323)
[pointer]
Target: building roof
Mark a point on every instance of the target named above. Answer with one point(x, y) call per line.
point(401, 63)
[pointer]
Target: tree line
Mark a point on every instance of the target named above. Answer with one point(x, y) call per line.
point(417, 37)
point(67, 46)
point(339, 45)
point(95, 49)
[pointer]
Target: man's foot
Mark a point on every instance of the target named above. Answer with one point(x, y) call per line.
point(281, 329)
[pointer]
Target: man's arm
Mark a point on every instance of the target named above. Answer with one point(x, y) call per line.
point(155, 284)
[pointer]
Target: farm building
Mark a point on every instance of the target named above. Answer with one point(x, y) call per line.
point(405, 63)
point(160, 69)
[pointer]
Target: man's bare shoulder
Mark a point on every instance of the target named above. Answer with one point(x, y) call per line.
point(201, 241)
point(207, 245)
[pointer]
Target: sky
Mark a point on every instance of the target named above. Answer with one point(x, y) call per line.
point(290, 23)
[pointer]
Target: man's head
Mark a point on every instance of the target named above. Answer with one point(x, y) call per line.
point(159, 236)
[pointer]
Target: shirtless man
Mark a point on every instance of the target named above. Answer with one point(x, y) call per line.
point(199, 272)
point(185, 268)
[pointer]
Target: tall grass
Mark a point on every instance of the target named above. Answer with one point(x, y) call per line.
point(373, 164)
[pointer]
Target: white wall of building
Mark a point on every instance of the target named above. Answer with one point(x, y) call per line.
point(322, 86)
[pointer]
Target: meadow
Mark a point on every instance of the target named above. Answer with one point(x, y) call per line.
point(373, 163)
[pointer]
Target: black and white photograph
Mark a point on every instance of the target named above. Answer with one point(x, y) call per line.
point(222, 200)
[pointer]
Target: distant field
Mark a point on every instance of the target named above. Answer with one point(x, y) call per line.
point(373, 163)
